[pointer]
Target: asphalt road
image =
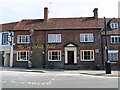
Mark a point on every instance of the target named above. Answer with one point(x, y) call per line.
point(15, 79)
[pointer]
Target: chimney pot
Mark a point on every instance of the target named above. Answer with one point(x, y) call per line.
point(95, 11)
point(45, 14)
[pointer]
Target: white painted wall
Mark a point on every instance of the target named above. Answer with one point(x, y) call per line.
point(6, 49)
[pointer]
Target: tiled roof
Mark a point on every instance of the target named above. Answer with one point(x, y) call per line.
point(57, 23)
point(7, 26)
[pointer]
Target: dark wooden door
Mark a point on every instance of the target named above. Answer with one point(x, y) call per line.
point(70, 57)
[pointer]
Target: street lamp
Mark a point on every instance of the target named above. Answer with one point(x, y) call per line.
point(107, 63)
point(30, 59)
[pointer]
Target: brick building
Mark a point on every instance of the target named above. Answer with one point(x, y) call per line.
point(113, 35)
point(69, 43)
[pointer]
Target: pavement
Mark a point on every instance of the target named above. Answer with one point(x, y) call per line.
point(114, 73)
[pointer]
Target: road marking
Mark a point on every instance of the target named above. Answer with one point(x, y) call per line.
point(3, 81)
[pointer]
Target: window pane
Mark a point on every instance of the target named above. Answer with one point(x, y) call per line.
point(119, 40)
point(116, 39)
point(91, 37)
point(86, 37)
point(81, 37)
point(112, 39)
point(112, 25)
point(5, 38)
point(113, 56)
point(23, 38)
point(58, 38)
point(27, 38)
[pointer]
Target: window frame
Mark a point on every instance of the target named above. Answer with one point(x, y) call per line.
point(58, 51)
point(5, 40)
point(18, 38)
point(27, 57)
point(82, 56)
point(54, 38)
point(114, 38)
point(114, 25)
point(83, 36)
point(115, 52)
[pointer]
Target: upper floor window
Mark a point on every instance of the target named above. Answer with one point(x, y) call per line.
point(23, 39)
point(115, 39)
point(54, 38)
point(114, 25)
point(87, 37)
point(113, 55)
point(4, 38)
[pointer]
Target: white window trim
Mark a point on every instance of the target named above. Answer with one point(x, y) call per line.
point(22, 51)
point(114, 39)
point(23, 42)
point(83, 55)
point(53, 40)
point(114, 25)
point(113, 51)
point(84, 37)
point(3, 39)
point(55, 51)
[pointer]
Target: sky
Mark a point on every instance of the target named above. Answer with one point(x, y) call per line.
point(16, 10)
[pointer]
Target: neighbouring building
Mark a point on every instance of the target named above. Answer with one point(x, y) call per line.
point(6, 50)
point(113, 35)
point(69, 43)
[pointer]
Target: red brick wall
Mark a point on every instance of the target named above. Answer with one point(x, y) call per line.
point(67, 36)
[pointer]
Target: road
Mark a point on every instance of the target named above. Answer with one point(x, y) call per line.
point(56, 79)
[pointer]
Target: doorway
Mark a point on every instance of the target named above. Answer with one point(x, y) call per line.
point(70, 54)
point(70, 57)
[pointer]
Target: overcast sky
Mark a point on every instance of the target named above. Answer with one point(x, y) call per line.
point(16, 10)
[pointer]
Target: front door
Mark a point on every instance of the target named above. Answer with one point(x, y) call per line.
point(70, 54)
point(70, 57)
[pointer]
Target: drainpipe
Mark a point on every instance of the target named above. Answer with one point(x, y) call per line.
point(102, 50)
point(44, 50)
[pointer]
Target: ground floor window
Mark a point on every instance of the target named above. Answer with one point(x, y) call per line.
point(87, 55)
point(54, 55)
point(22, 55)
point(113, 55)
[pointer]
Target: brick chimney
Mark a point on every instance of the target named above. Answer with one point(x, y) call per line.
point(95, 11)
point(45, 14)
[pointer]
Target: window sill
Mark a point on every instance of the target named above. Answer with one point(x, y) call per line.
point(54, 60)
point(88, 60)
point(86, 42)
point(54, 43)
point(22, 60)
point(23, 43)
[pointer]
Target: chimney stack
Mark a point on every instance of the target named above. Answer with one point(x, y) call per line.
point(45, 14)
point(95, 11)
